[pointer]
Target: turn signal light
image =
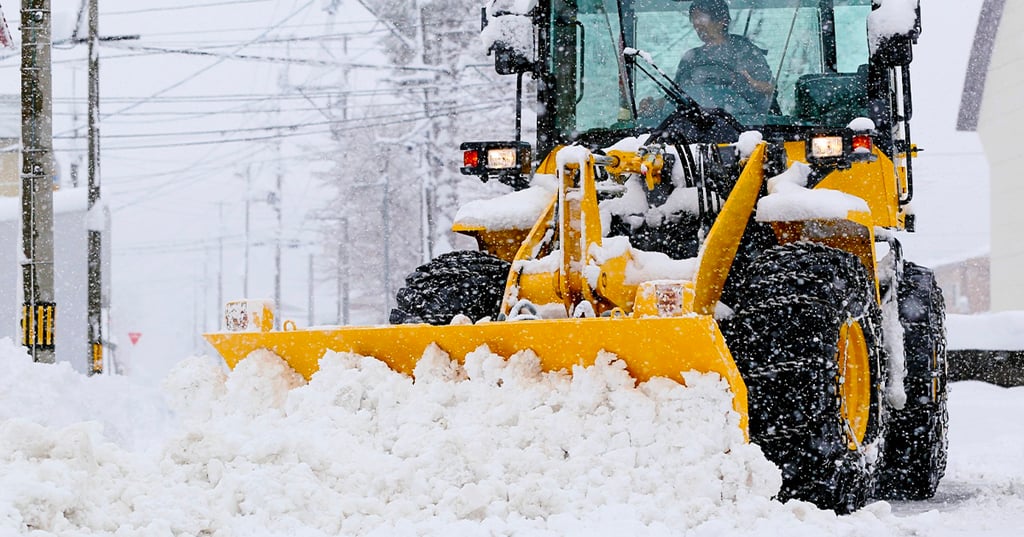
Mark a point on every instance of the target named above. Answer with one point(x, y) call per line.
point(509, 161)
point(471, 158)
point(862, 143)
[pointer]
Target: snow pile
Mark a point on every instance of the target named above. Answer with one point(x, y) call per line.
point(362, 449)
point(56, 396)
point(1002, 331)
point(509, 24)
point(892, 18)
point(490, 448)
point(789, 199)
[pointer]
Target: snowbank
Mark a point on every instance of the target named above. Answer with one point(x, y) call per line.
point(986, 331)
point(492, 448)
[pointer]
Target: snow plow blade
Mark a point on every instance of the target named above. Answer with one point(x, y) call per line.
point(650, 347)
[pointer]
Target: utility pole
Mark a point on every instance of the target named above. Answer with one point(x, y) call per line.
point(95, 235)
point(276, 202)
point(310, 313)
point(248, 200)
point(220, 263)
point(343, 273)
point(38, 316)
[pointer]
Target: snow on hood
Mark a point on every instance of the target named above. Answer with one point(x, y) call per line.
point(515, 210)
point(789, 199)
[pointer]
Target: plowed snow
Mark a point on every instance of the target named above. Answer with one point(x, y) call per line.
point(492, 448)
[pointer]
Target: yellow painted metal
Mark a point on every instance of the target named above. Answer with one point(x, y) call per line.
point(855, 386)
point(664, 299)
point(502, 243)
point(647, 164)
point(849, 235)
point(571, 233)
point(506, 243)
point(880, 184)
point(650, 347)
point(537, 244)
point(723, 240)
point(556, 264)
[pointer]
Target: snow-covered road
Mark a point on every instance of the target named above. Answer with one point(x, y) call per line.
point(361, 450)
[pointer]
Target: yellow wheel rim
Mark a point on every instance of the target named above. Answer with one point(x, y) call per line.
point(854, 381)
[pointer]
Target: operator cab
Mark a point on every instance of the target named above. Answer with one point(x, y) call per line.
point(816, 53)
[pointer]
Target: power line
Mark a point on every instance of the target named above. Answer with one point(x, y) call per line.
point(272, 59)
point(180, 8)
point(403, 118)
point(208, 67)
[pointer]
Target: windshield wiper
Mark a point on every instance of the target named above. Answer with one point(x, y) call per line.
point(699, 124)
point(672, 90)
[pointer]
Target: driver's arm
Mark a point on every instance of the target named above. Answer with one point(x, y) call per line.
point(764, 86)
point(753, 67)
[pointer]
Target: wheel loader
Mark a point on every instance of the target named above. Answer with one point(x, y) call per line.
point(680, 225)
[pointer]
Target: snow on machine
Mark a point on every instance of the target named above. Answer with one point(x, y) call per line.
point(737, 216)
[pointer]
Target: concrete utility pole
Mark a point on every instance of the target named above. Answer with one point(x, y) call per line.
point(39, 312)
point(95, 237)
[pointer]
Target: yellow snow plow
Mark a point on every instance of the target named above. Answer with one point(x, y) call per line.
point(732, 219)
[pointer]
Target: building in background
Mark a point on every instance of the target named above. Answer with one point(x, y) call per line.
point(992, 105)
point(10, 142)
point(965, 285)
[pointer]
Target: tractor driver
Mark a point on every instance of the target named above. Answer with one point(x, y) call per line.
point(728, 71)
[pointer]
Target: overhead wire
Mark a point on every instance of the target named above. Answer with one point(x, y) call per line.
point(402, 118)
point(199, 72)
point(208, 163)
point(181, 7)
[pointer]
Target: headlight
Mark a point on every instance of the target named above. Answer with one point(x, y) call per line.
point(827, 147)
point(501, 159)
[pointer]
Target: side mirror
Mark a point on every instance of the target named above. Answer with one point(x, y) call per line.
point(893, 29)
point(510, 61)
point(510, 37)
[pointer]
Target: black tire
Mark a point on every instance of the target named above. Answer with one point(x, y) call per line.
point(467, 282)
point(785, 337)
point(916, 443)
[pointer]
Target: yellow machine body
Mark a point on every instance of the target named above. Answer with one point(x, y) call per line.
point(657, 328)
